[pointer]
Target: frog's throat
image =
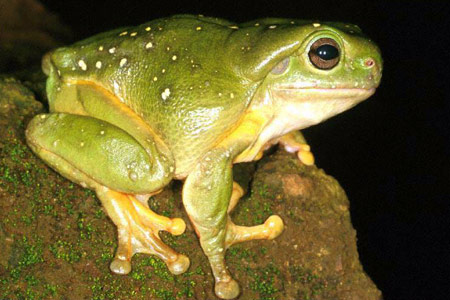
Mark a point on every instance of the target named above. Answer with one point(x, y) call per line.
point(304, 107)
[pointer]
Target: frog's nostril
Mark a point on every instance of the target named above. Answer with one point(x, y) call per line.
point(369, 63)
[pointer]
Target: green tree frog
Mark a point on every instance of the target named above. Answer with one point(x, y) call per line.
point(186, 97)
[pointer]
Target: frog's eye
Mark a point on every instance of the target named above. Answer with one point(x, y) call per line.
point(281, 67)
point(324, 53)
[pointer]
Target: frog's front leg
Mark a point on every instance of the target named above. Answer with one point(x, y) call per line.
point(295, 142)
point(208, 198)
point(105, 158)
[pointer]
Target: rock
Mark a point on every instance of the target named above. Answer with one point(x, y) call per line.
point(57, 234)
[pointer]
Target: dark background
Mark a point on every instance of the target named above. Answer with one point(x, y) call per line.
point(390, 153)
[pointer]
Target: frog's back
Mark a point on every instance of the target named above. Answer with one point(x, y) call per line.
point(172, 73)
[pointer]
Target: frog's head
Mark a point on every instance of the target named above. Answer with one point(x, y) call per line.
point(313, 71)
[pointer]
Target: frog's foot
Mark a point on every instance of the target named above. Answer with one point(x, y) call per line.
point(226, 287)
point(295, 142)
point(271, 228)
point(138, 232)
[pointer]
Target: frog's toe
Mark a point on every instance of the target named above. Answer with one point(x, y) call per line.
point(179, 265)
point(120, 266)
point(306, 157)
point(227, 289)
point(269, 230)
point(177, 226)
point(274, 227)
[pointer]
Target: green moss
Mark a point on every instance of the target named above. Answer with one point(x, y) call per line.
point(29, 254)
point(313, 285)
point(159, 268)
point(66, 251)
point(85, 227)
point(187, 290)
point(264, 281)
point(50, 289)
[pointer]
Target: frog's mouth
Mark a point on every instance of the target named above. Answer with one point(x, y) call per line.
point(309, 106)
point(316, 94)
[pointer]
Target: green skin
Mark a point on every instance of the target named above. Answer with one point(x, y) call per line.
point(184, 98)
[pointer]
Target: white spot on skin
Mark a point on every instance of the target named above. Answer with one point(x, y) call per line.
point(316, 25)
point(123, 33)
point(102, 132)
point(233, 27)
point(272, 26)
point(149, 45)
point(100, 48)
point(198, 28)
point(148, 28)
point(133, 176)
point(82, 65)
point(174, 57)
point(256, 24)
point(231, 95)
point(82, 144)
point(155, 78)
point(163, 71)
point(220, 94)
point(165, 94)
point(133, 34)
point(123, 61)
point(98, 65)
point(112, 50)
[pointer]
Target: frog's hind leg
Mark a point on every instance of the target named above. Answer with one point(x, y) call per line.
point(105, 158)
point(138, 232)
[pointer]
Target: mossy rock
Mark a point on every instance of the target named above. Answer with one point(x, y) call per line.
point(57, 243)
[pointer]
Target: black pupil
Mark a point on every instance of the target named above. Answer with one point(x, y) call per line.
point(327, 52)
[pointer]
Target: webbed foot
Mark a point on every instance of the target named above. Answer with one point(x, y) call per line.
point(138, 232)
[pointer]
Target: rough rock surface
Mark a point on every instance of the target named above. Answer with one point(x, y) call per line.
point(56, 241)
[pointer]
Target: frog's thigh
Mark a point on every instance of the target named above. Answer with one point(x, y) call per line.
point(105, 158)
point(86, 150)
point(295, 142)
